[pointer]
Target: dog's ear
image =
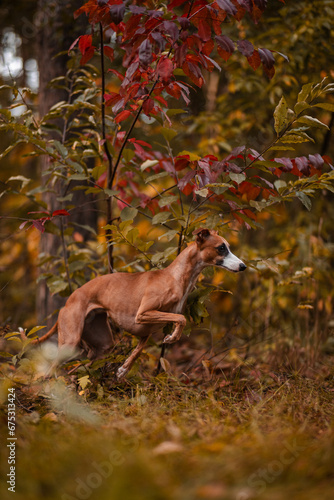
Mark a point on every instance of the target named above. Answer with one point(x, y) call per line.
point(201, 235)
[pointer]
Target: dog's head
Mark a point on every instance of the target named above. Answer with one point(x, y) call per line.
point(215, 251)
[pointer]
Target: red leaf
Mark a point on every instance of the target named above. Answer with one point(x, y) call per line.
point(145, 52)
point(87, 55)
point(74, 43)
point(117, 13)
point(165, 69)
point(225, 46)
point(181, 162)
point(117, 73)
point(21, 226)
point(180, 54)
point(143, 143)
point(171, 29)
point(194, 73)
point(267, 58)
point(85, 42)
point(227, 6)
point(175, 3)
point(38, 225)
point(123, 115)
point(245, 47)
point(269, 71)
point(254, 60)
point(327, 159)
point(148, 105)
point(159, 40)
point(161, 100)
point(59, 212)
point(174, 90)
point(41, 212)
point(109, 52)
point(204, 30)
point(111, 98)
point(208, 47)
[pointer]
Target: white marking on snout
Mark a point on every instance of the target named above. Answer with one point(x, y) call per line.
point(232, 263)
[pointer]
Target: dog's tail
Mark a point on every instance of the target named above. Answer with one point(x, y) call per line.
point(45, 337)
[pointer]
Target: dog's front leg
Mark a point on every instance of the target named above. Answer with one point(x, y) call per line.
point(123, 370)
point(152, 317)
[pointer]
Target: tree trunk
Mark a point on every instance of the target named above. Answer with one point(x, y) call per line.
point(56, 31)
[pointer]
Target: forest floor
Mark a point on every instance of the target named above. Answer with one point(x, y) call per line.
point(241, 434)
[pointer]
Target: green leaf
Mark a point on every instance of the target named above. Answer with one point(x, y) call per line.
point(168, 133)
point(238, 178)
point(301, 106)
point(10, 148)
point(84, 381)
point(163, 256)
point(85, 227)
point(313, 122)
point(110, 192)
point(156, 176)
point(326, 105)
point(305, 92)
point(128, 213)
point(202, 192)
point(167, 200)
point(78, 177)
point(89, 153)
point(34, 330)
point(79, 168)
point(148, 163)
point(280, 185)
point(98, 171)
point(297, 137)
point(304, 199)
point(6, 113)
point(21, 178)
point(281, 148)
point(160, 218)
point(57, 285)
point(60, 148)
point(281, 115)
point(4, 354)
point(169, 235)
point(172, 112)
point(133, 235)
point(259, 205)
point(192, 156)
point(124, 227)
point(266, 164)
point(271, 265)
point(128, 154)
point(93, 190)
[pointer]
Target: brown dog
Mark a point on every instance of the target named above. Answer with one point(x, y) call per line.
point(139, 303)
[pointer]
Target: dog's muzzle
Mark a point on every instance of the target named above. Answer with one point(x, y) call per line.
point(232, 263)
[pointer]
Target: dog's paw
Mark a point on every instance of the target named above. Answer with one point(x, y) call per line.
point(169, 339)
point(121, 372)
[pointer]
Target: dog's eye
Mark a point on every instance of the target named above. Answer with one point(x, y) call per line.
point(222, 249)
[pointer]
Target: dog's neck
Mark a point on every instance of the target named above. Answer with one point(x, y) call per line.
point(187, 267)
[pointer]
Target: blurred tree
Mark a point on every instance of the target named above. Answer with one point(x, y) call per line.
point(55, 33)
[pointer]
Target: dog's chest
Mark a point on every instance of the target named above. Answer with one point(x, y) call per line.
point(179, 306)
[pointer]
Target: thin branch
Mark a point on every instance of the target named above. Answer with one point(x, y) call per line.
point(126, 138)
point(65, 254)
point(103, 111)
point(110, 172)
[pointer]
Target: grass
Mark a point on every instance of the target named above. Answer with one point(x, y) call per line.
point(250, 436)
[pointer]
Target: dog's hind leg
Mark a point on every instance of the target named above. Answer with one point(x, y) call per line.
point(70, 327)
